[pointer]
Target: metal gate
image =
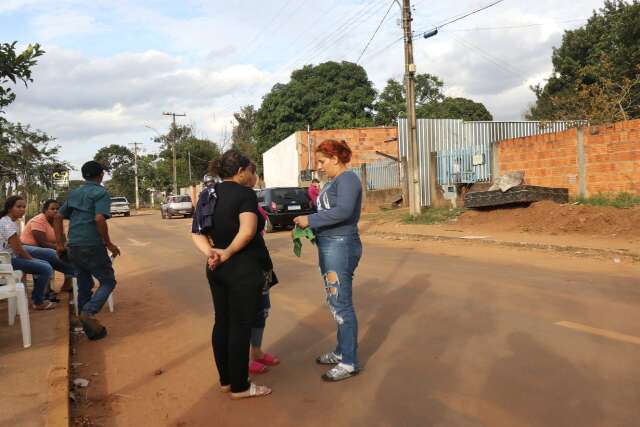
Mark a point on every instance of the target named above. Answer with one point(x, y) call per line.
point(463, 149)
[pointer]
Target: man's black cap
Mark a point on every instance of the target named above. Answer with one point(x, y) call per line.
point(91, 169)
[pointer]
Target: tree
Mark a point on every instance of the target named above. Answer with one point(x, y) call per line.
point(597, 66)
point(114, 157)
point(331, 95)
point(454, 108)
point(118, 161)
point(28, 161)
point(15, 67)
point(201, 150)
point(430, 103)
point(243, 133)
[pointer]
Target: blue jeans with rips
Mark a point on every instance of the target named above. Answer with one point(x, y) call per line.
point(90, 262)
point(339, 257)
point(41, 271)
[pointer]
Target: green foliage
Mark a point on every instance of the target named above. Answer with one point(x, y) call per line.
point(243, 137)
point(15, 67)
point(596, 66)
point(331, 95)
point(28, 160)
point(434, 216)
point(454, 108)
point(114, 156)
point(619, 200)
point(430, 103)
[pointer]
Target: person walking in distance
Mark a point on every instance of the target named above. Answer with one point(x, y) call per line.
point(313, 192)
point(88, 209)
point(227, 229)
point(336, 228)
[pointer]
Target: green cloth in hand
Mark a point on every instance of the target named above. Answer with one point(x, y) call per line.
point(299, 234)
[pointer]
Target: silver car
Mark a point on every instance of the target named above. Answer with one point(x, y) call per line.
point(120, 206)
point(177, 205)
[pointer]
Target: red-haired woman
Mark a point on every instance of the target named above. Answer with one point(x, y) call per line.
point(339, 248)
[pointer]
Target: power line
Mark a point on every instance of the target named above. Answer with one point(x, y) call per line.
point(335, 37)
point(509, 27)
point(273, 19)
point(458, 18)
point(376, 31)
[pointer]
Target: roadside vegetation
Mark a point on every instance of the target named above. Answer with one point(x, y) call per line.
point(434, 216)
point(619, 200)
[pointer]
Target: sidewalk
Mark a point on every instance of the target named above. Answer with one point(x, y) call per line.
point(34, 387)
point(614, 247)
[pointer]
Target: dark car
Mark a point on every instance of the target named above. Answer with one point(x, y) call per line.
point(282, 204)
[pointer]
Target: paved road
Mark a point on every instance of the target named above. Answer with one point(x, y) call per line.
point(447, 340)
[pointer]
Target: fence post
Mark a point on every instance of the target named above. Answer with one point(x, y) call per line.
point(582, 164)
point(363, 176)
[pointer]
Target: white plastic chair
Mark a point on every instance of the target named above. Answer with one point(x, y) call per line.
point(13, 290)
point(74, 285)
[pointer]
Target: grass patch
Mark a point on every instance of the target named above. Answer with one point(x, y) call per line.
point(619, 200)
point(433, 216)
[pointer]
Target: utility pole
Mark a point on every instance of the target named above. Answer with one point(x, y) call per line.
point(135, 170)
point(413, 175)
point(173, 149)
point(189, 153)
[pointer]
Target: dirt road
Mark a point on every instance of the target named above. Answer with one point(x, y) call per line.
point(449, 336)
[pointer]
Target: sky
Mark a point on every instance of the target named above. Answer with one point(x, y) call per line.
point(112, 67)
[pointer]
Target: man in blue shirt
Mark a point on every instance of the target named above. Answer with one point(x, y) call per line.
point(88, 208)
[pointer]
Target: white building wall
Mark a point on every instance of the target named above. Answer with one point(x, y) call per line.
point(280, 164)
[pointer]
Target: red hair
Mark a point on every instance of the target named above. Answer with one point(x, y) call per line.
point(334, 148)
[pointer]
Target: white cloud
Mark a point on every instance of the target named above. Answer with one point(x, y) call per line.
point(48, 27)
point(209, 58)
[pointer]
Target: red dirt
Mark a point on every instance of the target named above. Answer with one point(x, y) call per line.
point(552, 218)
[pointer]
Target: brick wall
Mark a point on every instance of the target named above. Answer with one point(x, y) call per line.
point(364, 142)
point(611, 158)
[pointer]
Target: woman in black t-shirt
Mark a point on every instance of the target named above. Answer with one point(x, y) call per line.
point(237, 259)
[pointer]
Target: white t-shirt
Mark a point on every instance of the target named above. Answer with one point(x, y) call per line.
point(7, 229)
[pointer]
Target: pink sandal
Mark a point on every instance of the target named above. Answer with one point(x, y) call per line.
point(256, 367)
point(268, 359)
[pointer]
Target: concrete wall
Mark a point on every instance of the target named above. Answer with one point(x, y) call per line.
point(281, 164)
point(373, 200)
point(597, 159)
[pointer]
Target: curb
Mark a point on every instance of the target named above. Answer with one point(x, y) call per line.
point(575, 250)
point(58, 376)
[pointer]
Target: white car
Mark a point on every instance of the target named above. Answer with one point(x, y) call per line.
point(120, 206)
point(177, 205)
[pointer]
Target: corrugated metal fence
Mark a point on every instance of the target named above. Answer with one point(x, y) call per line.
point(381, 175)
point(463, 149)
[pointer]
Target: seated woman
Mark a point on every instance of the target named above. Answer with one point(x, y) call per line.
point(39, 239)
point(13, 210)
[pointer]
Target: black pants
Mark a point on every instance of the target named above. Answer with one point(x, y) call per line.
point(236, 291)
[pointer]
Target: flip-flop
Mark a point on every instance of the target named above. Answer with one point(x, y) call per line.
point(253, 391)
point(268, 359)
point(256, 367)
point(47, 305)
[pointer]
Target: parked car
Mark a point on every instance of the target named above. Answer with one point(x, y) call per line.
point(176, 205)
point(120, 206)
point(282, 204)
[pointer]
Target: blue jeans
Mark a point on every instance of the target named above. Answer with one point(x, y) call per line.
point(90, 262)
point(51, 256)
point(339, 257)
point(40, 269)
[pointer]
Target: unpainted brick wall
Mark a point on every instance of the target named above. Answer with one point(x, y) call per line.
point(612, 158)
point(364, 142)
